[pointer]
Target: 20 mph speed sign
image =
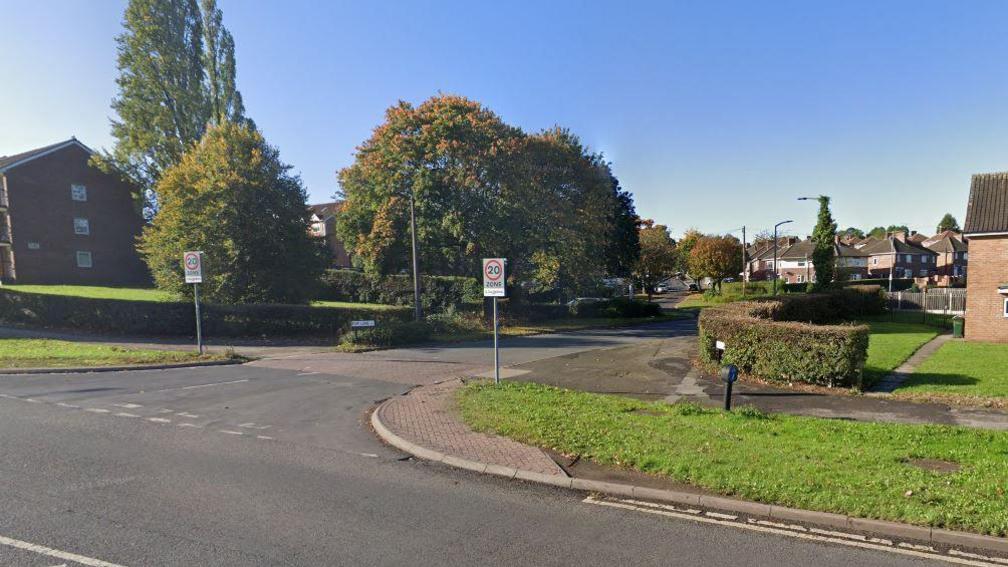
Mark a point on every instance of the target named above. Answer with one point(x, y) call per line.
point(493, 277)
point(193, 264)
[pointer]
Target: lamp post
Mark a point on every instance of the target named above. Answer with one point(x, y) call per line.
point(417, 313)
point(775, 271)
point(744, 270)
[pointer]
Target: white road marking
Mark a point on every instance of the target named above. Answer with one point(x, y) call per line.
point(264, 437)
point(372, 455)
point(96, 410)
point(252, 425)
point(214, 384)
point(997, 560)
point(128, 406)
point(307, 373)
point(33, 400)
point(189, 425)
point(189, 415)
point(65, 405)
point(126, 414)
point(50, 552)
point(229, 432)
point(721, 516)
point(158, 420)
point(664, 511)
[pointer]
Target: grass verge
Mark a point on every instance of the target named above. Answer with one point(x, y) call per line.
point(855, 468)
point(965, 373)
point(891, 344)
point(47, 353)
point(97, 292)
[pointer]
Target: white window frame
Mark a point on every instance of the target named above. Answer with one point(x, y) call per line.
point(907, 274)
point(874, 261)
point(84, 254)
point(82, 227)
point(78, 192)
point(1006, 307)
point(908, 258)
point(800, 278)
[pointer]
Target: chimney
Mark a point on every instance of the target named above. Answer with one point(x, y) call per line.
point(900, 235)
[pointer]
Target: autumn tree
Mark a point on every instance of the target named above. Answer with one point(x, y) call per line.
point(176, 75)
point(231, 197)
point(657, 256)
point(823, 241)
point(684, 248)
point(717, 258)
point(948, 222)
point(482, 188)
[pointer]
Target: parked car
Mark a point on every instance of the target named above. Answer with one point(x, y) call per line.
point(694, 287)
point(584, 300)
point(660, 289)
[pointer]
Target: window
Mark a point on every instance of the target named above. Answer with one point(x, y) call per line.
point(33, 246)
point(801, 279)
point(907, 273)
point(82, 227)
point(923, 272)
point(1006, 307)
point(874, 261)
point(909, 258)
point(78, 192)
point(801, 264)
point(83, 259)
point(965, 255)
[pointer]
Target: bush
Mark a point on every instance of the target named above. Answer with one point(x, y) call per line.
point(760, 343)
point(178, 318)
point(391, 333)
point(436, 292)
point(831, 306)
point(618, 308)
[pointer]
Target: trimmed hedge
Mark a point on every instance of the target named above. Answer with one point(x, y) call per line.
point(898, 284)
point(178, 318)
point(832, 306)
point(436, 292)
point(761, 343)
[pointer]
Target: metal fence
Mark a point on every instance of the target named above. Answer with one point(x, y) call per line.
point(935, 306)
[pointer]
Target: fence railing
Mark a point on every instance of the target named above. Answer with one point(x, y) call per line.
point(935, 306)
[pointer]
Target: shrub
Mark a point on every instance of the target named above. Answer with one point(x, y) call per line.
point(436, 292)
point(618, 308)
point(178, 318)
point(762, 344)
point(390, 334)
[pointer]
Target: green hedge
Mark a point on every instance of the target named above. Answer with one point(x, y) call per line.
point(831, 306)
point(898, 284)
point(436, 292)
point(178, 318)
point(761, 344)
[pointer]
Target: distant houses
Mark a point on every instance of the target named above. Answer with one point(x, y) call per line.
point(939, 260)
point(323, 227)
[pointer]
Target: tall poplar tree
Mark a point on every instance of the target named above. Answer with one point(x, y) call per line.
point(176, 75)
point(823, 239)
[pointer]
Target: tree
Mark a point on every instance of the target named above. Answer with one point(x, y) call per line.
point(948, 222)
point(176, 76)
point(877, 232)
point(657, 256)
point(483, 188)
point(716, 257)
point(823, 240)
point(683, 249)
point(624, 247)
point(231, 197)
point(851, 233)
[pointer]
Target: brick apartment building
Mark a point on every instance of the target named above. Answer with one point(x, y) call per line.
point(323, 225)
point(986, 229)
point(63, 221)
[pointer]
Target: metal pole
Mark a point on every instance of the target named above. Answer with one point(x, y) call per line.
point(775, 260)
point(199, 328)
point(727, 396)
point(496, 349)
point(417, 314)
point(745, 266)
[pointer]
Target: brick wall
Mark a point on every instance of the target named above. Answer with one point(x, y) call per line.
point(42, 223)
point(988, 259)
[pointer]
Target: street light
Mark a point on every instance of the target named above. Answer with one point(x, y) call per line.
point(744, 271)
point(775, 253)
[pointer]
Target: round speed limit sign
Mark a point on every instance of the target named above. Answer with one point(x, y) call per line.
point(493, 277)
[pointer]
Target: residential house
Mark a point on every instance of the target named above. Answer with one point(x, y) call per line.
point(323, 226)
point(986, 229)
point(795, 265)
point(901, 259)
point(953, 256)
point(64, 221)
point(916, 238)
point(760, 257)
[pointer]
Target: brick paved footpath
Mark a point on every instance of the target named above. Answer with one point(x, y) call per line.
point(427, 416)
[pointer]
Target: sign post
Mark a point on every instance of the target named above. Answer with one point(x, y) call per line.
point(494, 286)
point(192, 262)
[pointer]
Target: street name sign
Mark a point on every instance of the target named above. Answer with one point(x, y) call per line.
point(493, 277)
point(193, 264)
point(364, 323)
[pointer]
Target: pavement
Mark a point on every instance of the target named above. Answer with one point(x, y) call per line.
point(274, 463)
point(888, 384)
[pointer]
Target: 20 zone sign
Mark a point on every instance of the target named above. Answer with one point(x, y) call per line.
point(493, 277)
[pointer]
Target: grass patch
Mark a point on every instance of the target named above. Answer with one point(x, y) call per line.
point(349, 305)
point(974, 372)
point(890, 344)
point(857, 468)
point(38, 353)
point(97, 292)
point(730, 292)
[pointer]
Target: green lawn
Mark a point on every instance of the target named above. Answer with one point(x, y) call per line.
point(890, 344)
point(846, 467)
point(348, 305)
point(31, 353)
point(97, 292)
point(974, 372)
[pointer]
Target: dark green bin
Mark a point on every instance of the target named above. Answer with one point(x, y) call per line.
point(957, 327)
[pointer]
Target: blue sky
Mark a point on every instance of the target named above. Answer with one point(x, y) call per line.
point(714, 114)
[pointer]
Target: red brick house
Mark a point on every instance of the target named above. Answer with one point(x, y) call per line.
point(986, 229)
point(795, 264)
point(63, 221)
point(323, 225)
point(895, 255)
point(953, 257)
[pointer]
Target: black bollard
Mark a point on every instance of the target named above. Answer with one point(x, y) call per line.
point(729, 374)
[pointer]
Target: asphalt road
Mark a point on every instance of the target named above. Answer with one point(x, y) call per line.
point(273, 464)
